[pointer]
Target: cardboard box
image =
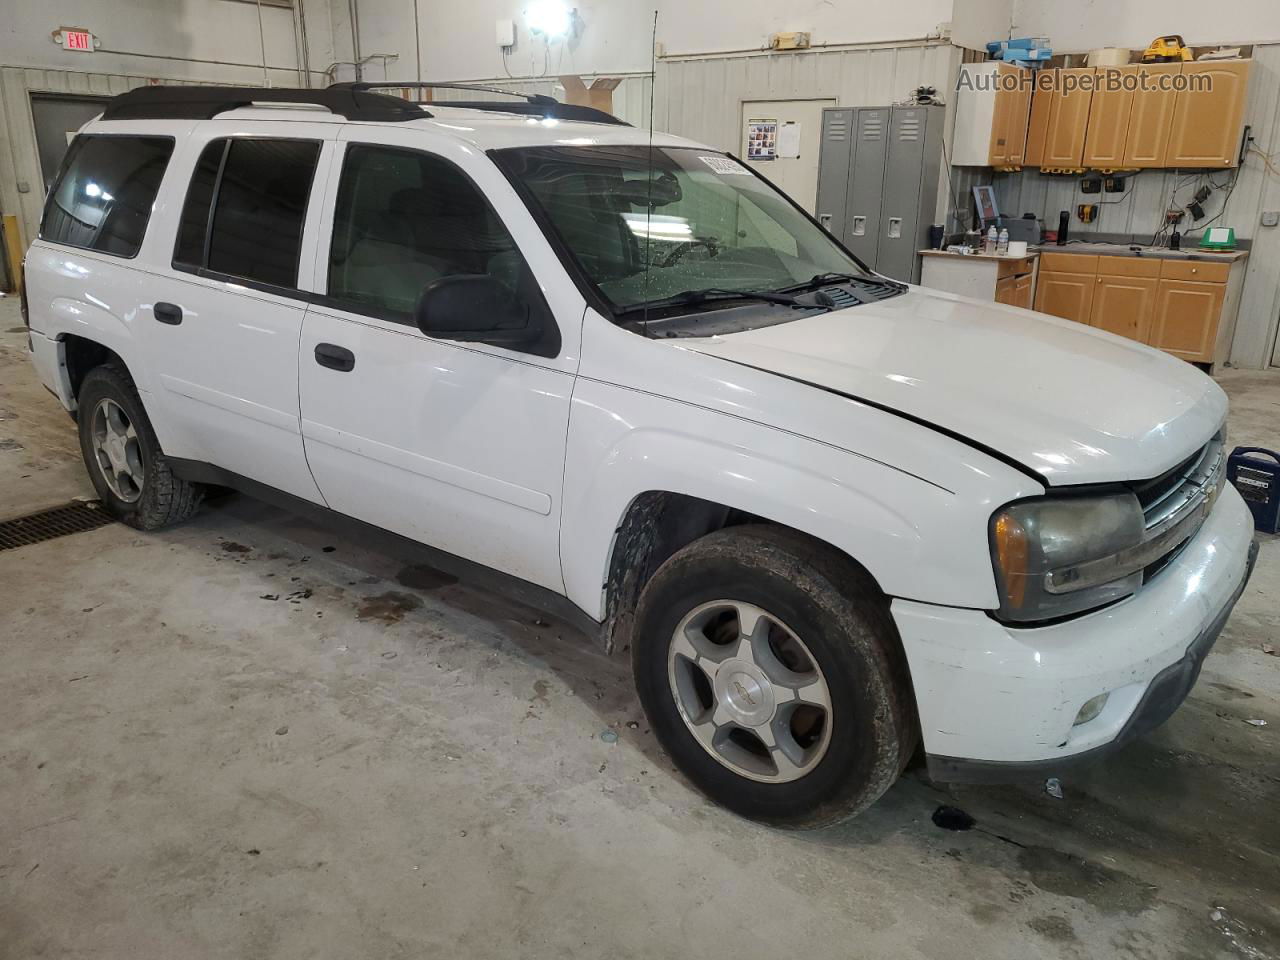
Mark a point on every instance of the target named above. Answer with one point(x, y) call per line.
point(599, 95)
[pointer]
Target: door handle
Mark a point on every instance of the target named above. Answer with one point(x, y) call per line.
point(895, 228)
point(859, 227)
point(825, 220)
point(335, 357)
point(169, 313)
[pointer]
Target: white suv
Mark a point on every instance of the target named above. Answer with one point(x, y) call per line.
point(833, 515)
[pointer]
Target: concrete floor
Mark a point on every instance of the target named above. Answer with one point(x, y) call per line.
point(247, 738)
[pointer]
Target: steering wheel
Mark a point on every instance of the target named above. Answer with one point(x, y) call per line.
point(710, 244)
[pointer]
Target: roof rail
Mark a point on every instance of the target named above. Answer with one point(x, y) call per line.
point(206, 102)
point(536, 104)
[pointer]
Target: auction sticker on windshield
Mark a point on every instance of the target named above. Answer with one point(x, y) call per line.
point(724, 165)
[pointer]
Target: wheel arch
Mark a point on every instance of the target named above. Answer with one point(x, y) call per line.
point(77, 356)
point(654, 526)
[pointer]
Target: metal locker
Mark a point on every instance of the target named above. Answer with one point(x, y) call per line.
point(866, 180)
point(910, 190)
point(833, 168)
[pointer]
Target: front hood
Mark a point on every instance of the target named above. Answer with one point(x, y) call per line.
point(1070, 403)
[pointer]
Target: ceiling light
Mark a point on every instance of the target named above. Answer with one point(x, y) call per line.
point(551, 18)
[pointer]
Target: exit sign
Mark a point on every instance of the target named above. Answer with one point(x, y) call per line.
point(79, 40)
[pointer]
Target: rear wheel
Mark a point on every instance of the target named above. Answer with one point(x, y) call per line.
point(125, 463)
point(772, 673)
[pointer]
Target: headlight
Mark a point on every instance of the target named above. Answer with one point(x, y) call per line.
point(1058, 556)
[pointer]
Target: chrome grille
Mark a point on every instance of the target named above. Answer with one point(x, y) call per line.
point(1176, 504)
point(1178, 492)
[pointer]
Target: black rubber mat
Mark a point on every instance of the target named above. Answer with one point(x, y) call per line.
point(50, 524)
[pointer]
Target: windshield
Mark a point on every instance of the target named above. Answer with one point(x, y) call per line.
point(695, 220)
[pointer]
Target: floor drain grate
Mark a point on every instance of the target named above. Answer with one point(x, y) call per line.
point(51, 524)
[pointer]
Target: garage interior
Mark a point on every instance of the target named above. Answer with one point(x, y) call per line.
point(255, 736)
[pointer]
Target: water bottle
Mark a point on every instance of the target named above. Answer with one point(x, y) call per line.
point(1002, 244)
point(990, 247)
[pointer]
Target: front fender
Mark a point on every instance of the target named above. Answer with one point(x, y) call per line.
point(918, 539)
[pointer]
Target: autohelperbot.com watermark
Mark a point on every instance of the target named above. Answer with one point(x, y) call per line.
point(1136, 79)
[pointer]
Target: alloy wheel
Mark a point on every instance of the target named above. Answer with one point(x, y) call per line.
point(749, 691)
point(117, 450)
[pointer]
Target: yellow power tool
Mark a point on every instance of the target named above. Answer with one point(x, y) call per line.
point(1167, 50)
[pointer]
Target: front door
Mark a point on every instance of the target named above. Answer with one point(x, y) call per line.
point(222, 323)
point(457, 445)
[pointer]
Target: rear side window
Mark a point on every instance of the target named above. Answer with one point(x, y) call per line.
point(103, 197)
point(245, 209)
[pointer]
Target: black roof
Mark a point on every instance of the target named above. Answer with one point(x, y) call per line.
point(354, 101)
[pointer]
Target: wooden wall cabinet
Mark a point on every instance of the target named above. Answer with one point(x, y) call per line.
point(1140, 120)
point(1068, 120)
point(1109, 115)
point(1150, 115)
point(1206, 126)
point(1009, 120)
point(1038, 121)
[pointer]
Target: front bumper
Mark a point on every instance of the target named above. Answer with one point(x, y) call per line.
point(998, 703)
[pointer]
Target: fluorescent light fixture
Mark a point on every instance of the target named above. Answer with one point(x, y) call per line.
point(551, 18)
point(659, 227)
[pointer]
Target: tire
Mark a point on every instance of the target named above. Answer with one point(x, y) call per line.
point(144, 493)
point(823, 627)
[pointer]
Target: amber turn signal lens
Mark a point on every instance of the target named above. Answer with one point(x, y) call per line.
point(1011, 552)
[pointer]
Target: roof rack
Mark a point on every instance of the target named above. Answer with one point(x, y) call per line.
point(535, 105)
point(206, 102)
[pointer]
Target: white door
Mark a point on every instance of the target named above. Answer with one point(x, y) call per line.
point(222, 325)
point(780, 139)
point(458, 445)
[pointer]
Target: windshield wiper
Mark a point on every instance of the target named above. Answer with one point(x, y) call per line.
point(823, 279)
point(691, 298)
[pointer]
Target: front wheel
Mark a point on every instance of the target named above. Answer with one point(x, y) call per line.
point(772, 673)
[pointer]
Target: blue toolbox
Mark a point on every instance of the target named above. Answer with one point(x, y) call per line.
point(1255, 472)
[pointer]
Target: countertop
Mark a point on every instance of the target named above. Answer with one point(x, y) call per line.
point(1031, 253)
point(1155, 253)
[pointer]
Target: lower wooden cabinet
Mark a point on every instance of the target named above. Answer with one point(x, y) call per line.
point(1068, 295)
point(1015, 291)
point(1184, 307)
point(1187, 313)
point(1124, 306)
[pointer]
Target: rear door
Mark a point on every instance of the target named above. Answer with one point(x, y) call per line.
point(224, 318)
point(458, 445)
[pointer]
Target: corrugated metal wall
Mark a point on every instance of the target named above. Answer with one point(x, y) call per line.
point(630, 97)
point(19, 162)
point(701, 98)
point(1139, 212)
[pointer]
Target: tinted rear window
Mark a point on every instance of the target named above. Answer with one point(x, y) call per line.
point(103, 197)
point(259, 204)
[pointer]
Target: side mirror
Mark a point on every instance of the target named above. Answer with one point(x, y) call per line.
point(475, 308)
